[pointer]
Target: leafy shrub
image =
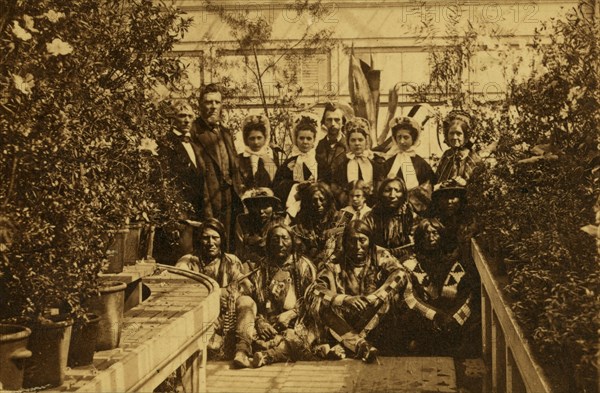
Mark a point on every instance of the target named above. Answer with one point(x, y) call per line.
point(78, 124)
point(535, 206)
point(539, 183)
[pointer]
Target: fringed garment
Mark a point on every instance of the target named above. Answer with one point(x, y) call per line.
point(391, 228)
point(380, 281)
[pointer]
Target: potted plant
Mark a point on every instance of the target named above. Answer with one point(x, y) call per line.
point(13, 352)
point(13, 338)
point(109, 308)
point(76, 113)
point(84, 336)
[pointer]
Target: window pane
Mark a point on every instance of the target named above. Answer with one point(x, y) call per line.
point(309, 72)
point(193, 70)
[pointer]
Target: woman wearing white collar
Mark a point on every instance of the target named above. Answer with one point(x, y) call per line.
point(406, 164)
point(257, 163)
point(359, 164)
point(300, 167)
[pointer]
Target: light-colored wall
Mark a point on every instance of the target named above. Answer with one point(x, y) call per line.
point(385, 30)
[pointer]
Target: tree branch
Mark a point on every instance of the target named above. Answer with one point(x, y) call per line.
point(288, 50)
point(11, 182)
point(260, 85)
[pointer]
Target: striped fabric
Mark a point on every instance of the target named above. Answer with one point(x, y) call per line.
point(334, 285)
point(464, 312)
point(421, 295)
point(455, 163)
point(415, 303)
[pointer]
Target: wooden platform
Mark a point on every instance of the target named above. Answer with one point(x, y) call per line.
point(392, 374)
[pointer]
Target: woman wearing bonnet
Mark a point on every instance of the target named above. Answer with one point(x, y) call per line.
point(360, 164)
point(406, 164)
point(301, 166)
point(457, 163)
point(258, 162)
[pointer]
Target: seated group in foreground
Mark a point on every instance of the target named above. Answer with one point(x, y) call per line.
point(328, 287)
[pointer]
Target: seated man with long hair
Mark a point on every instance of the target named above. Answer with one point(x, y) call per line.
point(209, 257)
point(317, 221)
point(391, 218)
point(356, 289)
point(280, 284)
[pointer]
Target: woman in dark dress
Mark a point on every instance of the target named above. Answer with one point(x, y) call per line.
point(457, 163)
point(359, 164)
point(300, 167)
point(257, 163)
point(408, 165)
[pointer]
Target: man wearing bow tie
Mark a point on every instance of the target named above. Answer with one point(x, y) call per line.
point(182, 164)
point(223, 181)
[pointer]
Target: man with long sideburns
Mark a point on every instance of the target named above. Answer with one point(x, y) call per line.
point(331, 150)
point(180, 161)
point(217, 150)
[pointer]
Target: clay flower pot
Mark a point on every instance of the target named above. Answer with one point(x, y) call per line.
point(83, 341)
point(49, 344)
point(109, 307)
point(116, 252)
point(13, 352)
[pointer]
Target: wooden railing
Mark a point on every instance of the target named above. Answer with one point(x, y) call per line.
point(506, 353)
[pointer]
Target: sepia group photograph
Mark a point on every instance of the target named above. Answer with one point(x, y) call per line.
point(300, 196)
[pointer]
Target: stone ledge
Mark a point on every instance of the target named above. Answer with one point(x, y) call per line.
point(130, 273)
point(132, 276)
point(152, 343)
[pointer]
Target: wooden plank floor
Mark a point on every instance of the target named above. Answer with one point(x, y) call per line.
point(391, 374)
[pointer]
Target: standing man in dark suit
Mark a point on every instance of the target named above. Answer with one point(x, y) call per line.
point(331, 150)
point(218, 152)
point(182, 164)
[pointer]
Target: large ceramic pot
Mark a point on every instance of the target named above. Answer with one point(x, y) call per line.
point(109, 307)
point(13, 352)
point(83, 341)
point(49, 345)
point(116, 252)
point(132, 244)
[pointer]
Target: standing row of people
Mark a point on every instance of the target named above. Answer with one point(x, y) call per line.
point(199, 153)
point(212, 176)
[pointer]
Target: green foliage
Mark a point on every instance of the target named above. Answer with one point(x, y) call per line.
point(540, 180)
point(452, 61)
point(78, 126)
point(568, 80)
